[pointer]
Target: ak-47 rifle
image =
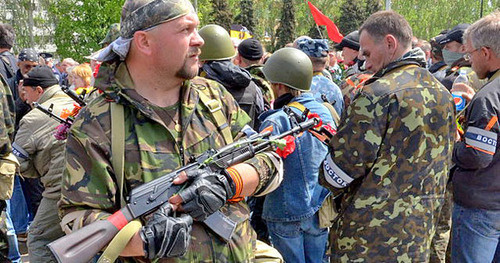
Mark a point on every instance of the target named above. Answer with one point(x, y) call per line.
point(83, 244)
point(49, 112)
point(72, 94)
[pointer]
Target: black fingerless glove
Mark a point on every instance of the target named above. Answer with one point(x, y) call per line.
point(166, 236)
point(207, 192)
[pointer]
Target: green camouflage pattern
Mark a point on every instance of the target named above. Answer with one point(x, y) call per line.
point(7, 119)
point(396, 142)
point(153, 13)
point(260, 80)
point(151, 151)
point(112, 35)
point(441, 243)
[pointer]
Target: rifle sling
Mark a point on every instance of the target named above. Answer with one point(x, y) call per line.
point(117, 245)
point(118, 146)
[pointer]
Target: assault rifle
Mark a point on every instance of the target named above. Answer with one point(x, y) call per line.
point(83, 244)
point(49, 112)
point(72, 94)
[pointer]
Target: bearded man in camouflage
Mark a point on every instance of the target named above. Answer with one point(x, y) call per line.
point(389, 160)
point(165, 123)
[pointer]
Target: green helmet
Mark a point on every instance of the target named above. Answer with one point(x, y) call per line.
point(112, 35)
point(291, 67)
point(218, 44)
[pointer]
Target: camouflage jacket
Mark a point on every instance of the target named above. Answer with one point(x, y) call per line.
point(259, 79)
point(390, 161)
point(7, 112)
point(151, 151)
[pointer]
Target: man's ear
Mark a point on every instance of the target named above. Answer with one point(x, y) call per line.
point(462, 49)
point(39, 89)
point(142, 42)
point(486, 52)
point(391, 43)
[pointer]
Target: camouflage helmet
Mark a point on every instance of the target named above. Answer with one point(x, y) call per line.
point(218, 44)
point(112, 35)
point(291, 67)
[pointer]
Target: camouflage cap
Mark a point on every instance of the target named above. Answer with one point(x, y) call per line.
point(316, 48)
point(150, 14)
point(113, 33)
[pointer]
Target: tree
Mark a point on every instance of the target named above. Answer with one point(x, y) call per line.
point(33, 25)
point(221, 15)
point(286, 30)
point(81, 25)
point(353, 13)
point(246, 17)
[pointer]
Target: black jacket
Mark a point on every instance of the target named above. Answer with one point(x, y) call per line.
point(476, 181)
point(239, 83)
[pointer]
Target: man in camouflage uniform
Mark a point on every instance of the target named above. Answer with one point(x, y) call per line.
point(389, 160)
point(8, 167)
point(165, 123)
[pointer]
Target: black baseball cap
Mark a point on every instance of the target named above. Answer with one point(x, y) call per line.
point(350, 41)
point(455, 34)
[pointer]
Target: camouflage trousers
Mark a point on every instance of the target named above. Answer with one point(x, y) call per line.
point(441, 245)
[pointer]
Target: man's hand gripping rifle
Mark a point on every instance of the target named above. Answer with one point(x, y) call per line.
point(83, 244)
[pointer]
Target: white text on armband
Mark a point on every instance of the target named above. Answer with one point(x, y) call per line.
point(334, 175)
point(482, 139)
point(20, 152)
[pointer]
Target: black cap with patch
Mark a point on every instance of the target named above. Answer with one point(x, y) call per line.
point(455, 34)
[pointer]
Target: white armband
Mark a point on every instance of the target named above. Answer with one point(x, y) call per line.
point(334, 175)
point(481, 139)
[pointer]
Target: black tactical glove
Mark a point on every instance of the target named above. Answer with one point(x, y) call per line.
point(207, 192)
point(166, 236)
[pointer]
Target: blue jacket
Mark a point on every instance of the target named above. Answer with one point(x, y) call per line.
point(299, 196)
point(322, 85)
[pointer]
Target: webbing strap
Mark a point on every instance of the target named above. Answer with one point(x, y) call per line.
point(118, 146)
point(335, 115)
point(119, 242)
point(215, 108)
point(329, 106)
point(297, 105)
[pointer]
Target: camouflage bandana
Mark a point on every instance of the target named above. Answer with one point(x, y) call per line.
point(153, 14)
point(316, 48)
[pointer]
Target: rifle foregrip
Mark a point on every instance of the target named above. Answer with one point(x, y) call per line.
point(83, 244)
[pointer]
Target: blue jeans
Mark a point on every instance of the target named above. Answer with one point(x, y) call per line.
point(14, 254)
point(299, 241)
point(19, 208)
point(475, 235)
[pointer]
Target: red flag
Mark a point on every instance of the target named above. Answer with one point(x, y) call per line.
point(322, 20)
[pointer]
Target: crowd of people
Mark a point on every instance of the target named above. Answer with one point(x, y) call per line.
point(400, 168)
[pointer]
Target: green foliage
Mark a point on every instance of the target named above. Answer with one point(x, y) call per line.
point(81, 25)
point(429, 17)
point(354, 12)
point(221, 14)
point(286, 30)
point(77, 26)
point(246, 17)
